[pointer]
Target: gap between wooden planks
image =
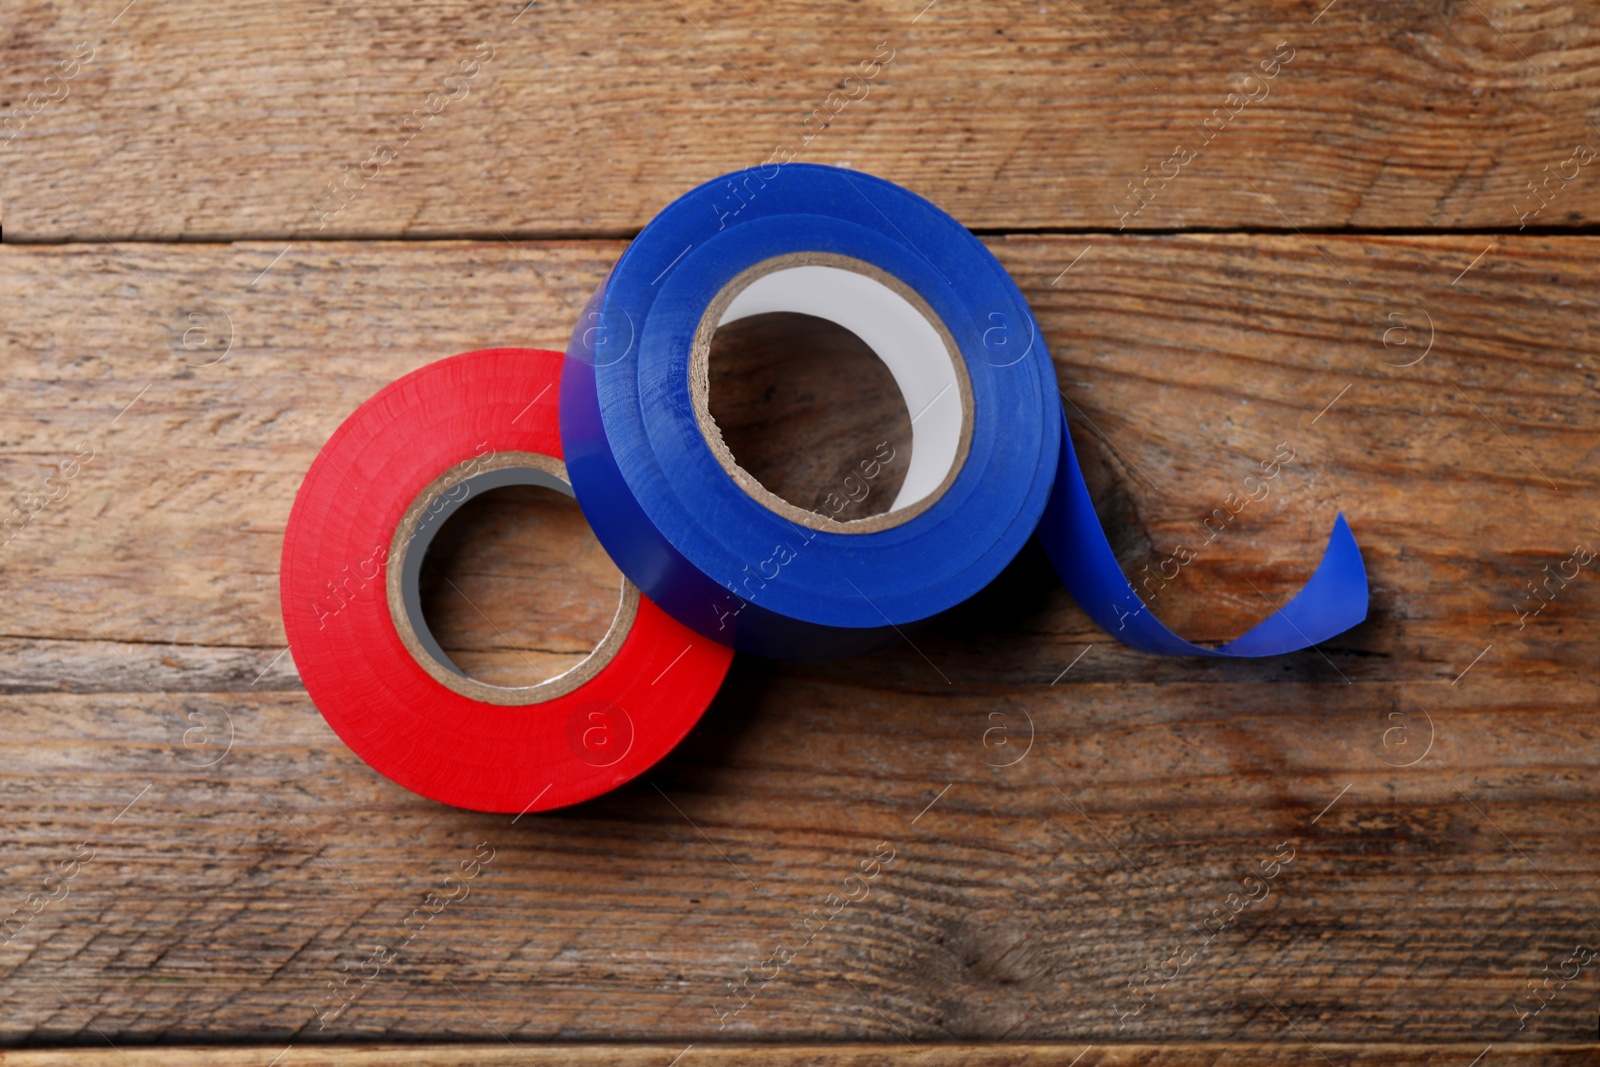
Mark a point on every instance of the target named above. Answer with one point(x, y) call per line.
point(1174, 1054)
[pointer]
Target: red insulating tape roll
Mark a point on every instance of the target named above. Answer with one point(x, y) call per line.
point(587, 731)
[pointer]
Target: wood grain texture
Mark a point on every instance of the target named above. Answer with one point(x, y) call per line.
point(1432, 771)
point(185, 120)
point(839, 1055)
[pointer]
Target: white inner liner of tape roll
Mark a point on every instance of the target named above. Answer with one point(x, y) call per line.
point(899, 334)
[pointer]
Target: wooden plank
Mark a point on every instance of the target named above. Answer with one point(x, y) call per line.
point(185, 120)
point(1432, 772)
point(1015, 1055)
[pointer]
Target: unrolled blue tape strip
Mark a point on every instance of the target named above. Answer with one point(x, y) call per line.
point(1332, 601)
point(673, 519)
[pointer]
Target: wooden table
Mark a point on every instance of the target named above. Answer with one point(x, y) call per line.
point(1379, 252)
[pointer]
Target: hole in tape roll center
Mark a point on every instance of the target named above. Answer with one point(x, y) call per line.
point(810, 411)
point(832, 392)
point(507, 592)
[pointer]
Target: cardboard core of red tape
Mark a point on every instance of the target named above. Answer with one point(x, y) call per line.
point(375, 496)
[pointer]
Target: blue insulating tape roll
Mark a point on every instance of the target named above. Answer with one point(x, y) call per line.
point(1332, 600)
point(673, 518)
point(721, 562)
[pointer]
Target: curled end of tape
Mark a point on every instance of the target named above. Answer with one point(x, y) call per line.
point(1332, 601)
